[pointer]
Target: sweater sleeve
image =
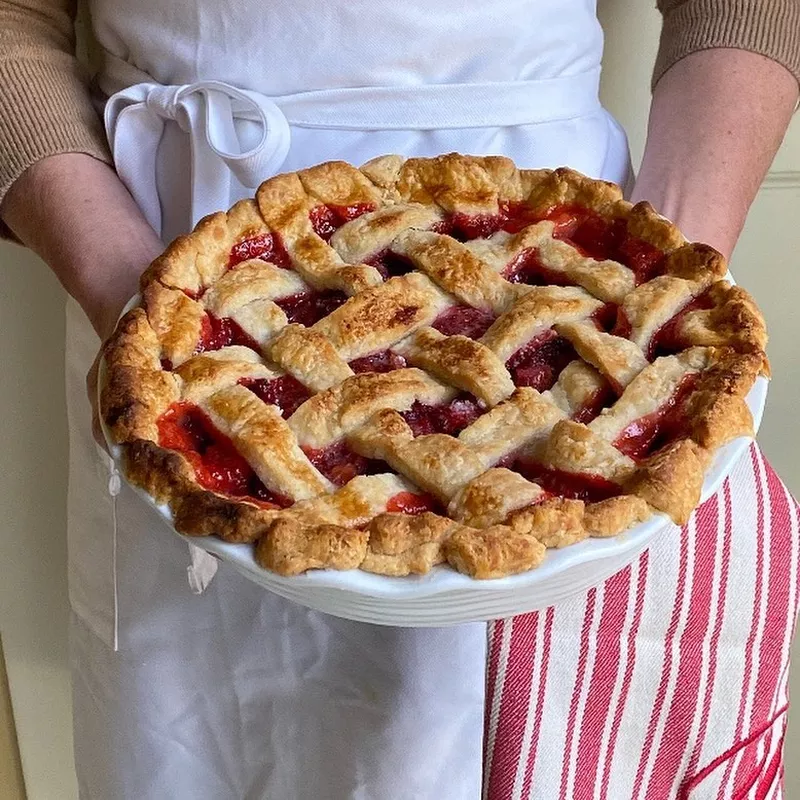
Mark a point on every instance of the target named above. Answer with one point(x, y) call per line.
point(45, 108)
point(768, 27)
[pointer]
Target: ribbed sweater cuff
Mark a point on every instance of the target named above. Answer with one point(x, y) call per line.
point(768, 27)
point(44, 111)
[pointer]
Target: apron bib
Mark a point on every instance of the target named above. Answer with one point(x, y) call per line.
point(235, 692)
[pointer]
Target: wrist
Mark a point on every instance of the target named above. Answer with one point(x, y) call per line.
point(692, 206)
point(74, 212)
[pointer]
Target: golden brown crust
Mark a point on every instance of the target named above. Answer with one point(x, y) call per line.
point(136, 391)
point(290, 549)
point(493, 552)
point(333, 414)
point(378, 317)
point(455, 269)
point(400, 544)
point(564, 186)
point(556, 522)
point(694, 261)
point(645, 224)
point(617, 359)
point(490, 498)
point(732, 321)
point(671, 480)
point(615, 515)
point(501, 523)
point(537, 310)
point(716, 410)
point(168, 477)
point(461, 362)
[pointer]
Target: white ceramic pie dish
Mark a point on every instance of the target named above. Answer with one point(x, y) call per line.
point(444, 596)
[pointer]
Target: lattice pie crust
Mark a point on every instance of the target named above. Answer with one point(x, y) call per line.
point(429, 360)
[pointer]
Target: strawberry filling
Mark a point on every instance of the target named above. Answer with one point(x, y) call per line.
point(594, 405)
point(577, 486)
point(529, 269)
point(285, 392)
point(653, 431)
point(540, 362)
point(598, 238)
point(325, 220)
point(511, 217)
point(216, 333)
point(339, 464)
point(410, 503)
point(382, 361)
point(310, 307)
point(217, 465)
point(645, 260)
point(464, 320)
point(390, 264)
point(606, 316)
point(667, 339)
point(266, 246)
point(451, 418)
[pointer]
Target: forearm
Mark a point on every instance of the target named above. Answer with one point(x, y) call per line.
point(716, 122)
point(74, 212)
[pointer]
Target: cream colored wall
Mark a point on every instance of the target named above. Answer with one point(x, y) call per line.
point(33, 485)
point(33, 599)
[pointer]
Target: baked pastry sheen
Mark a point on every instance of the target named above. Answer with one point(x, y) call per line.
point(429, 360)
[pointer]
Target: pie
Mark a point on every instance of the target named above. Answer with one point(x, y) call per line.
point(429, 361)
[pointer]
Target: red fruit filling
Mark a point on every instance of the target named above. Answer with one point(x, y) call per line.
point(540, 362)
point(286, 392)
point(464, 320)
point(217, 465)
point(577, 486)
point(390, 264)
point(653, 431)
point(528, 268)
point(339, 464)
point(594, 405)
point(476, 226)
point(310, 307)
point(266, 246)
point(591, 234)
point(642, 257)
point(382, 361)
point(511, 217)
point(410, 503)
point(217, 333)
point(326, 219)
point(598, 238)
point(666, 340)
point(451, 418)
point(517, 216)
point(606, 316)
point(622, 327)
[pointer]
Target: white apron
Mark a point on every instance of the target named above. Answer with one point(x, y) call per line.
point(234, 692)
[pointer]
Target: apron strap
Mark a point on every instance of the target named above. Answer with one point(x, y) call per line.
point(138, 109)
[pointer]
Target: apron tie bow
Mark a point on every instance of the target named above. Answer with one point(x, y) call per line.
point(207, 111)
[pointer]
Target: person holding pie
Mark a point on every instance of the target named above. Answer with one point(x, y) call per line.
point(669, 678)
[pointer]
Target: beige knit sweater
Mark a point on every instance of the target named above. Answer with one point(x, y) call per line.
point(45, 107)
